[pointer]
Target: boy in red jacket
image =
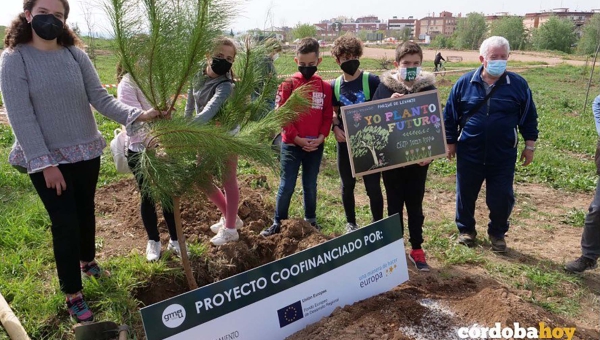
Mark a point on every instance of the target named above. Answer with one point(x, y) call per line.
point(303, 139)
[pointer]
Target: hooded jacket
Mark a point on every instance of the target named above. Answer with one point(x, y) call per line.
point(315, 122)
point(390, 84)
point(489, 136)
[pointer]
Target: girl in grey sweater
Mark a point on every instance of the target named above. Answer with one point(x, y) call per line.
point(48, 85)
point(210, 89)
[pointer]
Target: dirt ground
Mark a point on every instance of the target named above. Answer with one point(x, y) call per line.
point(429, 306)
point(473, 56)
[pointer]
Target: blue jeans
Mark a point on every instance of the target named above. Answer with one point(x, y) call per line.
point(292, 157)
point(499, 197)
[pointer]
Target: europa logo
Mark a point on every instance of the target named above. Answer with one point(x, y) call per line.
point(173, 316)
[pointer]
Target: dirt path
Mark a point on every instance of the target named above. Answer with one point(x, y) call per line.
point(473, 56)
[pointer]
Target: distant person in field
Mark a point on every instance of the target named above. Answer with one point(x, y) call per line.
point(354, 86)
point(303, 139)
point(590, 240)
point(485, 110)
point(129, 93)
point(405, 186)
point(48, 84)
point(438, 61)
point(211, 87)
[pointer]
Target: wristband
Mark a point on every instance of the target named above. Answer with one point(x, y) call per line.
point(531, 148)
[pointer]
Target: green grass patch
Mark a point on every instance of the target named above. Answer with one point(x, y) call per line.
point(550, 286)
point(575, 217)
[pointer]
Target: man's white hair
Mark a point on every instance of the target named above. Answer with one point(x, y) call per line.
point(492, 42)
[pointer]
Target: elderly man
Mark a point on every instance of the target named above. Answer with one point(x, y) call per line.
point(483, 112)
point(590, 240)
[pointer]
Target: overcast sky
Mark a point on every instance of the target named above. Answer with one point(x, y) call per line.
point(290, 12)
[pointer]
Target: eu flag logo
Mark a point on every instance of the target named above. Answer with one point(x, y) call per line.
point(289, 314)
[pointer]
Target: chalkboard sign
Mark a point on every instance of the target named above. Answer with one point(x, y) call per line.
point(391, 133)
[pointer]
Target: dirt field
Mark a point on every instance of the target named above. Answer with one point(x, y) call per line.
point(473, 56)
point(429, 306)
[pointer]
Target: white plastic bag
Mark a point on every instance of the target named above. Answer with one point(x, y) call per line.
point(118, 147)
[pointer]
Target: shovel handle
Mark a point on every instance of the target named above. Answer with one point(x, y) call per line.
point(123, 332)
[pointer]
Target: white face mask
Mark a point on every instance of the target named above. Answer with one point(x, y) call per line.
point(409, 73)
point(275, 56)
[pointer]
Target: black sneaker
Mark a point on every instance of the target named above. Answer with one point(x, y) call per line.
point(272, 230)
point(350, 227)
point(498, 244)
point(581, 264)
point(316, 226)
point(467, 239)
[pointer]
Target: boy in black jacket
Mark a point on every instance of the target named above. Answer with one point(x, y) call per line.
point(406, 185)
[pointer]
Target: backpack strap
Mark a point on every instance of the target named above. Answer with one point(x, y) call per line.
point(365, 84)
point(337, 88)
point(219, 84)
point(475, 108)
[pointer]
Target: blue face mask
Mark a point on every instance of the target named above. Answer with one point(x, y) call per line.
point(496, 68)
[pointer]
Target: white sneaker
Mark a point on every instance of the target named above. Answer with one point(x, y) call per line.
point(153, 250)
point(225, 235)
point(221, 224)
point(174, 246)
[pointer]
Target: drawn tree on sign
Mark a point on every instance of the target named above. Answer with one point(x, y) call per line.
point(370, 139)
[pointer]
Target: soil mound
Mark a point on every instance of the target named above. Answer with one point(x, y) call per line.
point(416, 312)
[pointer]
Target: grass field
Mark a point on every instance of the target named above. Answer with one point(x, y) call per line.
point(563, 161)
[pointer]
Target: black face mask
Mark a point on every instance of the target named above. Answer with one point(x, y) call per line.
point(47, 26)
point(307, 71)
point(220, 66)
point(350, 66)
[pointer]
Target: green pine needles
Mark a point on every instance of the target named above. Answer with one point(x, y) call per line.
point(161, 42)
point(188, 157)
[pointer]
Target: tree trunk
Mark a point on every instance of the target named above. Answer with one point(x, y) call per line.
point(181, 239)
point(10, 322)
point(375, 160)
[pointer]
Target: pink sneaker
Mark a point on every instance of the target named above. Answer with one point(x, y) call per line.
point(78, 308)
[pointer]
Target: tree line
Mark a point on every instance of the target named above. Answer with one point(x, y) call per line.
point(556, 34)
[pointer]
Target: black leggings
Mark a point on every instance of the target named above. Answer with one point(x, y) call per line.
point(372, 185)
point(406, 186)
point(148, 207)
point(72, 217)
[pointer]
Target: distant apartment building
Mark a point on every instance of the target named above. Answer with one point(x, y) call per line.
point(489, 19)
point(326, 31)
point(396, 24)
point(368, 19)
point(535, 20)
point(444, 24)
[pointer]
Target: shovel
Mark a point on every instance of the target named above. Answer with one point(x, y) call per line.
point(104, 330)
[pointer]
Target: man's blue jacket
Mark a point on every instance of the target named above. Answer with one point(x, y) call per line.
point(489, 136)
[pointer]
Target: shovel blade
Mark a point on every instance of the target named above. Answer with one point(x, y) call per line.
point(104, 330)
